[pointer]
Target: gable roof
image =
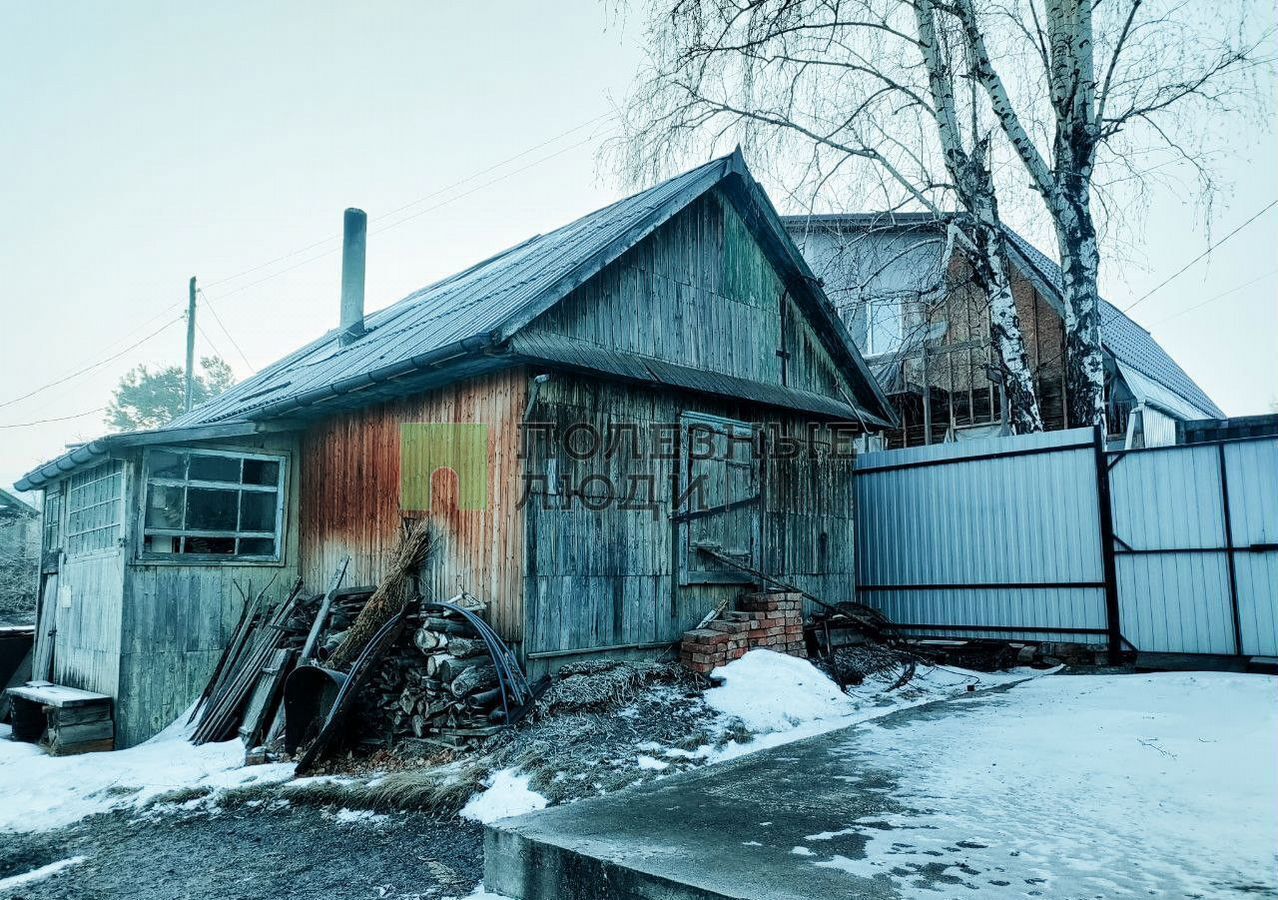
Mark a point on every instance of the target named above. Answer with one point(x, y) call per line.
point(462, 325)
point(1144, 364)
point(15, 507)
point(481, 307)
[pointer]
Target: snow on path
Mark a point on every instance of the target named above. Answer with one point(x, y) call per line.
point(42, 792)
point(1119, 785)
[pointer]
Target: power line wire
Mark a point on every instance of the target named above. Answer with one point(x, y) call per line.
point(208, 302)
point(1200, 256)
point(422, 199)
point(91, 366)
point(260, 266)
point(396, 224)
point(212, 346)
point(1221, 295)
point(56, 419)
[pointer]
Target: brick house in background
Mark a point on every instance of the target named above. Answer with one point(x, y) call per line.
point(905, 293)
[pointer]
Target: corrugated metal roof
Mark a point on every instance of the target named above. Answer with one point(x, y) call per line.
point(454, 321)
point(459, 314)
point(1128, 343)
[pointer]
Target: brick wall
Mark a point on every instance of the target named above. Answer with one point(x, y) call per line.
point(772, 620)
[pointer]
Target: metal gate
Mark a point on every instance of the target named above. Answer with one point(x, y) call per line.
point(1047, 536)
point(1196, 544)
point(1001, 537)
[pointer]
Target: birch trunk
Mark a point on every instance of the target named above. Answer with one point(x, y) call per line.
point(1065, 186)
point(974, 184)
point(1080, 268)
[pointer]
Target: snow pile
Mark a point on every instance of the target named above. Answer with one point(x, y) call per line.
point(42, 792)
point(1107, 785)
point(347, 816)
point(769, 691)
point(507, 794)
point(783, 698)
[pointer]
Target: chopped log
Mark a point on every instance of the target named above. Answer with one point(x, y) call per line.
point(464, 647)
point(484, 699)
point(476, 678)
point(429, 641)
point(434, 662)
point(450, 666)
point(446, 626)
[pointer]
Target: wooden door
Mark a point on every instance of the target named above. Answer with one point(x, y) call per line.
point(720, 494)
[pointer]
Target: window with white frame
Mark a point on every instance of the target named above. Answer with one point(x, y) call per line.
point(213, 504)
point(94, 501)
point(885, 327)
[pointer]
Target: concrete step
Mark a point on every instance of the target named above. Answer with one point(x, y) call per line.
point(533, 867)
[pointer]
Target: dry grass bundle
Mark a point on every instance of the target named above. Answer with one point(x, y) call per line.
point(602, 685)
point(393, 594)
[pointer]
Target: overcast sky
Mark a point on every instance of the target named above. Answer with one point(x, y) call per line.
point(142, 145)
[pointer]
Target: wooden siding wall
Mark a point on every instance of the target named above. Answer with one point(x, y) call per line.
point(699, 292)
point(350, 496)
point(177, 617)
point(606, 578)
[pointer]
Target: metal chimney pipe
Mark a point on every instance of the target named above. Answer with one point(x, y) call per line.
point(354, 248)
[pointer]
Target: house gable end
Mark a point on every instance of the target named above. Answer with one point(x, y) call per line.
point(701, 294)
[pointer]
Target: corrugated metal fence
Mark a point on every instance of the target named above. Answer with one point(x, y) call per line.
point(1047, 537)
point(1196, 541)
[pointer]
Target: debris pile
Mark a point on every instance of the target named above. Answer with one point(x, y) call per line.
point(371, 665)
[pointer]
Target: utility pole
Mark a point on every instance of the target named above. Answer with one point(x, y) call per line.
point(190, 344)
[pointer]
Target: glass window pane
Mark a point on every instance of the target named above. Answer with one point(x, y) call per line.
point(257, 511)
point(257, 546)
point(208, 509)
point(159, 543)
point(211, 546)
point(164, 506)
point(163, 464)
point(261, 471)
point(215, 468)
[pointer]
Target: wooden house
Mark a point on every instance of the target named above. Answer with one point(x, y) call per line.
point(678, 331)
point(905, 293)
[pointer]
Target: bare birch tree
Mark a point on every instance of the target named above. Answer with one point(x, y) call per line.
point(1116, 77)
point(859, 93)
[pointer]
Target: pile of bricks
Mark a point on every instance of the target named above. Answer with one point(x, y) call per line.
point(771, 620)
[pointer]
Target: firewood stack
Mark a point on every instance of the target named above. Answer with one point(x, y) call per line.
point(437, 683)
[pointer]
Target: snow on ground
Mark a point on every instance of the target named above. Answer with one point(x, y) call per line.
point(782, 698)
point(42, 792)
point(53, 868)
point(507, 794)
point(1107, 785)
point(480, 894)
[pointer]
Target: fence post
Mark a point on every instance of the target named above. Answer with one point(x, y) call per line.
point(1106, 517)
point(1229, 547)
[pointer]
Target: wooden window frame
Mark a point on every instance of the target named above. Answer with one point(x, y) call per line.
point(107, 470)
point(280, 489)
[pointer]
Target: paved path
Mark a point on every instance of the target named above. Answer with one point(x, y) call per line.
point(938, 801)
